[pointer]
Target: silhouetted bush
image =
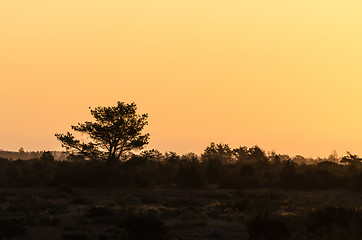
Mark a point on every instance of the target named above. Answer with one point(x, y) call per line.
point(237, 182)
point(356, 182)
point(74, 236)
point(114, 233)
point(246, 171)
point(239, 168)
point(212, 173)
point(141, 181)
point(144, 227)
point(47, 157)
point(189, 178)
point(334, 223)
point(289, 177)
point(49, 221)
point(263, 228)
point(12, 227)
point(316, 179)
point(96, 212)
point(80, 201)
point(249, 182)
point(323, 219)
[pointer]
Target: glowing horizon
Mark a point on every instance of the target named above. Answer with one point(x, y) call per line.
point(281, 75)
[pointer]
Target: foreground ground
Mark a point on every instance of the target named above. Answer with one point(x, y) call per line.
point(98, 213)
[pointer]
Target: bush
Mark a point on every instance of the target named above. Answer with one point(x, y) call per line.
point(356, 182)
point(144, 227)
point(96, 212)
point(74, 236)
point(212, 173)
point(12, 227)
point(318, 179)
point(263, 228)
point(189, 178)
point(246, 171)
point(321, 221)
point(81, 201)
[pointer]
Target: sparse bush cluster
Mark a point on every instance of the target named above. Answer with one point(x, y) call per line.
point(325, 223)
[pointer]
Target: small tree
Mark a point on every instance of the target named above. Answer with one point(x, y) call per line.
point(351, 159)
point(217, 154)
point(258, 155)
point(47, 156)
point(116, 130)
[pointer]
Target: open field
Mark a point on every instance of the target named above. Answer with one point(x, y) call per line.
point(113, 213)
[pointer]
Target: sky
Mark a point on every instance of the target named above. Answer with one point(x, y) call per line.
point(283, 75)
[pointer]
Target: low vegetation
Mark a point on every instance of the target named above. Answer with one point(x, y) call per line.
point(219, 166)
point(103, 190)
point(225, 193)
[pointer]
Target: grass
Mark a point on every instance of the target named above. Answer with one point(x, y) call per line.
point(98, 213)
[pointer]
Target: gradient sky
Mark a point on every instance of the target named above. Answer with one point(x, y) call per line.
point(285, 75)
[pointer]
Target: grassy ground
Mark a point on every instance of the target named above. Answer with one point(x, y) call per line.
point(94, 213)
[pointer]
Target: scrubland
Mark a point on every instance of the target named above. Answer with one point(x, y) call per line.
point(114, 213)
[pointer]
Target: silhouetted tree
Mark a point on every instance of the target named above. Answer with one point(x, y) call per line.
point(246, 171)
point(189, 159)
point(217, 153)
point(258, 155)
point(275, 158)
point(351, 159)
point(212, 173)
point(288, 176)
point(47, 156)
point(172, 158)
point(116, 130)
point(299, 159)
point(241, 154)
point(152, 155)
point(189, 177)
point(215, 156)
point(333, 157)
point(75, 157)
point(261, 227)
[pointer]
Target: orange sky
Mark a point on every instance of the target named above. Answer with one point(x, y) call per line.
point(285, 75)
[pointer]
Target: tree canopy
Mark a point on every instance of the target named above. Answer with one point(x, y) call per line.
point(351, 159)
point(116, 130)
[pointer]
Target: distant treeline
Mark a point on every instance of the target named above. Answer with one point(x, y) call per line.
point(26, 155)
point(219, 166)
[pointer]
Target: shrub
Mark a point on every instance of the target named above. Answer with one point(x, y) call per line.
point(267, 229)
point(96, 212)
point(74, 236)
point(81, 201)
point(144, 227)
point(189, 178)
point(12, 227)
point(246, 171)
point(322, 220)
